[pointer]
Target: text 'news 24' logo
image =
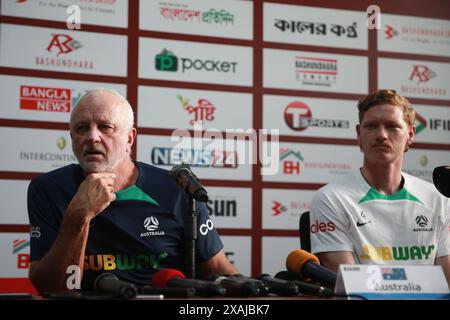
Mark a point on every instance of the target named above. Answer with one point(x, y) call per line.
point(166, 61)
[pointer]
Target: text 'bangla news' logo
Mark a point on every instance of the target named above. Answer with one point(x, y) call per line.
point(298, 117)
point(45, 99)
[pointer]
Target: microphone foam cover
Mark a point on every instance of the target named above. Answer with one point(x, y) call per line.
point(441, 180)
point(161, 277)
point(297, 258)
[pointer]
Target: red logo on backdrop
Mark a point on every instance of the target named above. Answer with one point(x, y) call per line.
point(290, 166)
point(278, 208)
point(62, 43)
point(421, 73)
point(317, 227)
point(390, 32)
point(45, 99)
point(204, 111)
point(23, 259)
point(294, 113)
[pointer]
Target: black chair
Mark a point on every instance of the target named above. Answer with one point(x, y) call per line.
point(305, 241)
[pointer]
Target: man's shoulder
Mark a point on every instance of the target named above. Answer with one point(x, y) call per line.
point(349, 182)
point(148, 168)
point(60, 174)
point(153, 177)
point(420, 187)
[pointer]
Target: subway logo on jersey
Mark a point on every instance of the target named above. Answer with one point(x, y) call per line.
point(402, 253)
point(108, 262)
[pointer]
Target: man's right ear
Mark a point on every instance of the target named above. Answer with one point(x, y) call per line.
point(358, 133)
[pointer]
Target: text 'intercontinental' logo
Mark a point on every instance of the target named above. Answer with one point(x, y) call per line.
point(425, 173)
point(316, 71)
point(168, 61)
point(57, 159)
point(298, 117)
point(203, 111)
point(45, 99)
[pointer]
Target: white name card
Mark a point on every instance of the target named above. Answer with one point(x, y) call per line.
point(392, 282)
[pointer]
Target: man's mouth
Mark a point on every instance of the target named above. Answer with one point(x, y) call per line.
point(384, 146)
point(94, 154)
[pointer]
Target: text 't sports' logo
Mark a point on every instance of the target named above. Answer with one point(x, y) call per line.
point(298, 117)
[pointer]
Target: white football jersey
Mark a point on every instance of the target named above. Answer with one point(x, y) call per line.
point(411, 226)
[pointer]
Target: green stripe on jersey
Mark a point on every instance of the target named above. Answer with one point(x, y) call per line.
point(402, 194)
point(134, 193)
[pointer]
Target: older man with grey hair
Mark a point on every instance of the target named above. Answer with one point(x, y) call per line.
point(97, 214)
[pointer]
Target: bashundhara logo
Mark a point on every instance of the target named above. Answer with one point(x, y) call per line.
point(166, 61)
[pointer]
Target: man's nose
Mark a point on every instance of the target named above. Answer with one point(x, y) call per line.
point(94, 135)
point(381, 133)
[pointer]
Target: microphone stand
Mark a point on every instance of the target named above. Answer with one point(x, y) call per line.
point(185, 179)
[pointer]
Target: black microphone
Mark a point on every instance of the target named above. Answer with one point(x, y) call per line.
point(441, 180)
point(175, 278)
point(279, 286)
point(109, 283)
point(170, 292)
point(236, 287)
point(263, 288)
point(304, 287)
point(187, 180)
point(308, 266)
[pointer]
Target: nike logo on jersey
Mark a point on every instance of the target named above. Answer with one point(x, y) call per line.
point(363, 220)
point(360, 224)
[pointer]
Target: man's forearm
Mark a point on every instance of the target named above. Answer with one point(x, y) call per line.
point(50, 273)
